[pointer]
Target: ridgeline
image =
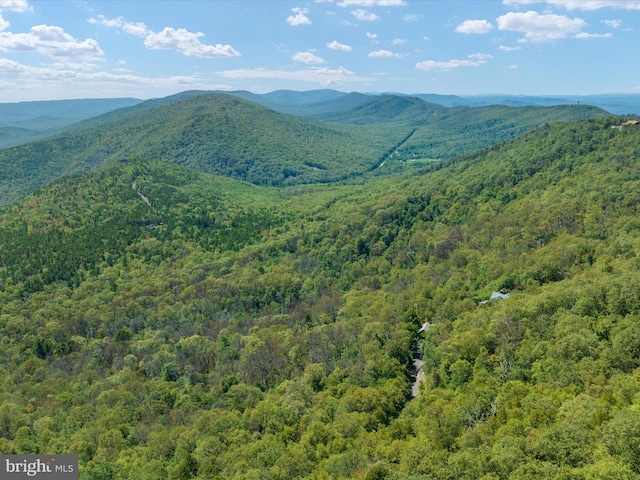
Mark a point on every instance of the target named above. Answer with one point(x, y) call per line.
point(223, 134)
point(223, 329)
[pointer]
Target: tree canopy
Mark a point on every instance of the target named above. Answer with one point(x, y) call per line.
point(162, 322)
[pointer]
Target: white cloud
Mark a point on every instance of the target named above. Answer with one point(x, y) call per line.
point(381, 54)
point(371, 3)
point(474, 26)
point(481, 57)
point(69, 80)
point(385, 54)
point(10, 66)
point(504, 48)
point(585, 35)
point(323, 76)
point(138, 29)
point(540, 28)
point(475, 60)
point(521, 2)
point(429, 65)
point(399, 41)
point(596, 4)
point(83, 66)
point(364, 15)
point(338, 46)
point(300, 17)
point(582, 4)
point(307, 57)
point(188, 43)
point(19, 6)
point(44, 39)
point(513, 67)
point(612, 23)
point(411, 17)
point(372, 35)
point(49, 40)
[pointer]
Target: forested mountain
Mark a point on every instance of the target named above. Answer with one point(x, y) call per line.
point(166, 323)
point(306, 104)
point(441, 132)
point(11, 113)
point(214, 133)
point(619, 104)
point(25, 121)
point(223, 134)
point(315, 102)
point(464, 129)
point(386, 109)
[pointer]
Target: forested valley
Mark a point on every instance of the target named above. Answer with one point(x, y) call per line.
point(220, 133)
point(161, 321)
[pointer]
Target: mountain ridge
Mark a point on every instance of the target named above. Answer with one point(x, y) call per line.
point(42, 118)
point(233, 330)
point(222, 133)
point(201, 130)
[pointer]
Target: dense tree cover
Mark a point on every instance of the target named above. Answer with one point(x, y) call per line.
point(441, 133)
point(223, 134)
point(214, 133)
point(217, 329)
point(25, 121)
point(385, 109)
point(10, 135)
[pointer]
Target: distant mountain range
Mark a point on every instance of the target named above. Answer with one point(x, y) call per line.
point(342, 136)
point(318, 102)
point(618, 104)
point(26, 121)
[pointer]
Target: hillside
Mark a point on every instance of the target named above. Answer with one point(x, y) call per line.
point(385, 109)
point(25, 121)
point(11, 113)
point(214, 133)
point(443, 132)
point(306, 104)
point(216, 329)
point(15, 135)
point(223, 134)
point(465, 129)
point(618, 104)
point(313, 102)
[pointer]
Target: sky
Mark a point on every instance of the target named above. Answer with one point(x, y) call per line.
point(55, 49)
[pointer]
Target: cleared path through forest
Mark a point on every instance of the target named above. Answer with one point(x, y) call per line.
point(137, 190)
point(417, 374)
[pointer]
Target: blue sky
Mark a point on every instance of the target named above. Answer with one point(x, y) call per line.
point(109, 48)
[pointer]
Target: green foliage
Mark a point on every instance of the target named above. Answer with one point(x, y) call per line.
point(164, 323)
point(223, 134)
point(26, 121)
point(210, 132)
point(441, 133)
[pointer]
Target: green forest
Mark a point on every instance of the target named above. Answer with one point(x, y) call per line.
point(164, 322)
point(226, 135)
